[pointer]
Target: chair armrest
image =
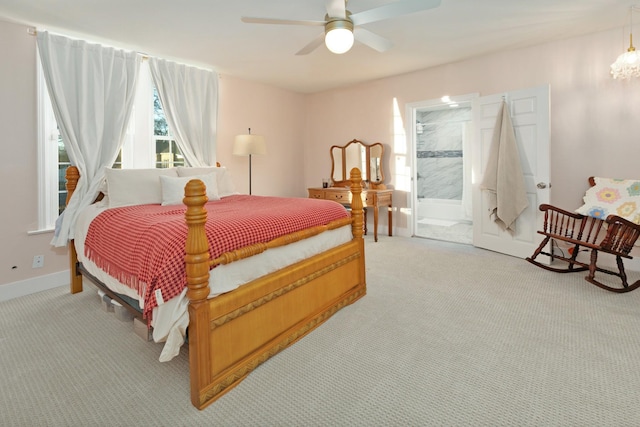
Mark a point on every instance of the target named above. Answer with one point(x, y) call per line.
point(613, 219)
point(545, 207)
point(569, 225)
point(621, 235)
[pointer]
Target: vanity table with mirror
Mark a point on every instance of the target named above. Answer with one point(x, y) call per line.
point(368, 158)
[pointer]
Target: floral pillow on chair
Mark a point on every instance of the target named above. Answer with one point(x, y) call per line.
point(613, 196)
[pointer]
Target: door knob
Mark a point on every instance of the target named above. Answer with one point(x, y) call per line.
point(541, 185)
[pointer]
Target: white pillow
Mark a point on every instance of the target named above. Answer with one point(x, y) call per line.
point(173, 188)
point(127, 187)
point(223, 178)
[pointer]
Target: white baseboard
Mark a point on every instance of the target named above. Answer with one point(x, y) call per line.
point(632, 265)
point(383, 230)
point(33, 285)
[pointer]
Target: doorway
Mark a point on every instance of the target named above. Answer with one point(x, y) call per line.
point(441, 133)
point(432, 128)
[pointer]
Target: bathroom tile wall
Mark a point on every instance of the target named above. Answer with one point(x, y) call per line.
point(439, 152)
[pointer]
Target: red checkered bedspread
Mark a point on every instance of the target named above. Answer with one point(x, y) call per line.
point(143, 246)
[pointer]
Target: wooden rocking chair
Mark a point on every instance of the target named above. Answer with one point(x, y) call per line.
point(613, 235)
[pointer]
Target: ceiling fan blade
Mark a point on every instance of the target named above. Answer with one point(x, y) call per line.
point(372, 40)
point(251, 20)
point(312, 45)
point(393, 10)
point(336, 8)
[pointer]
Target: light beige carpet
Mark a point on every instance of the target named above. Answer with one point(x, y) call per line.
point(448, 335)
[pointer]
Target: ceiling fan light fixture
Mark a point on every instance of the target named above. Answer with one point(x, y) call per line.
point(339, 35)
point(339, 24)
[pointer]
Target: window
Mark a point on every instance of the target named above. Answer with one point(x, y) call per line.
point(168, 154)
point(148, 144)
point(50, 194)
point(63, 164)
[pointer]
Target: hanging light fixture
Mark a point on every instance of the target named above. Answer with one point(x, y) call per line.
point(339, 35)
point(628, 64)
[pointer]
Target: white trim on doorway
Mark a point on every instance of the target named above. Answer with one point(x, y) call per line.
point(411, 120)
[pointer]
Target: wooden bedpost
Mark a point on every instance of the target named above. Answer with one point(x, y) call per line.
point(357, 225)
point(197, 246)
point(72, 175)
point(357, 213)
point(197, 271)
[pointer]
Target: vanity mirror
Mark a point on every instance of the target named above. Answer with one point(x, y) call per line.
point(368, 158)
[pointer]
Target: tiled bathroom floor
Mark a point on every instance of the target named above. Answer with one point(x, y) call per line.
point(450, 231)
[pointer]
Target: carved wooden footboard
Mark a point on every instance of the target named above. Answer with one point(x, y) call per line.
point(231, 334)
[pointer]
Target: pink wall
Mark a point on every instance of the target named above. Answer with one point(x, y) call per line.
point(594, 119)
point(19, 213)
point(279, 116)
point(594, 127)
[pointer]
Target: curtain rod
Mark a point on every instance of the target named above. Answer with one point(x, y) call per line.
point(145, 57)
point(34, 32)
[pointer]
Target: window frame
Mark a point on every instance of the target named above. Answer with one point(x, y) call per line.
point(139, 155)
point(48, 180)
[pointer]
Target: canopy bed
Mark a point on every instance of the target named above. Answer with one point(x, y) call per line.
point(357, 154)
point(231, 329)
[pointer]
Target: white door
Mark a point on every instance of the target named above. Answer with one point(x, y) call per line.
point(529, 109)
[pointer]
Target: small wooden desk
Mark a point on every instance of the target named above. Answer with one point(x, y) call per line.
point(370, 198)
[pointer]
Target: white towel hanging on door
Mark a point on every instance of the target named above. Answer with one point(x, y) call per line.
point(503, 178)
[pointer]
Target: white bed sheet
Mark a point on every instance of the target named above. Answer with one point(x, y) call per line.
point(170, 319)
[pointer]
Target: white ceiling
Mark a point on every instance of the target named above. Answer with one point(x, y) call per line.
point(209, 33)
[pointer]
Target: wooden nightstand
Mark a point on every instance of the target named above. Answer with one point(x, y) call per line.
point(370, 199)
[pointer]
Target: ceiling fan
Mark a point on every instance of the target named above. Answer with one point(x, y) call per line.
point(341, 27)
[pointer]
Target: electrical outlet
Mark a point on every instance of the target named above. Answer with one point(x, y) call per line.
point(38, 261)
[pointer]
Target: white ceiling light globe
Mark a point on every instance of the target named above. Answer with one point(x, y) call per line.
point(339, 40)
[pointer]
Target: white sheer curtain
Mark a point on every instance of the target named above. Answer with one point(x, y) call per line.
point(92, 88)
point(189, 98)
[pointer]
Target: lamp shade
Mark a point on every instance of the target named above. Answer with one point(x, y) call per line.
point(339, 36)
point(246, 145)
